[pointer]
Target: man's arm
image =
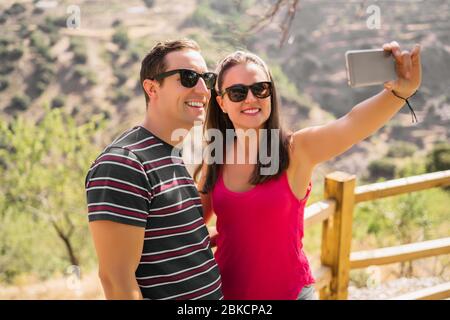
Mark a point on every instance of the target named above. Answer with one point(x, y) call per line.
point(205, 197)
point(119, 247)
point(118, 198)
point(321, 143)
point(207, 215)
point(207, 206)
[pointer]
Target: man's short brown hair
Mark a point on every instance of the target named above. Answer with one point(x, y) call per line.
point(154, 62)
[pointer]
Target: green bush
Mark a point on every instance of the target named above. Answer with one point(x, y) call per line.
point(24, 31)
point(121, 96)
point(58, 102)
point(4, 53)
point(411, 167)
point(48, 26)
point(20, 102)
point(149, 3)
point(134, 55)
point(15, 9)
point(44, 67)
point(40, 87)
point(41, 43)
point(45, 53)
point(79, 57)
point(401, 149)
point(76, 42)
point(45, 77)
point(81, 73)
point(60, 22)
point(121, 77)
point(120, 37)
point(116, 23)
point(79, 50)
point(438, 159)
point(5, 41)
point(10, 54)
point(44, 73)
point(56, 22)
point(15, 54)
point(38, 11)
point(4, 83)
point(6, 69)
point(382, 168)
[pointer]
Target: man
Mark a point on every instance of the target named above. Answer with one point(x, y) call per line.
point(144, 210)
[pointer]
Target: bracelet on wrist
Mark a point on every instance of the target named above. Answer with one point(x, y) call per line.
point(413, 114)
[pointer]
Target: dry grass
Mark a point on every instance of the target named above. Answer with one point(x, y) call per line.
point(62, 288)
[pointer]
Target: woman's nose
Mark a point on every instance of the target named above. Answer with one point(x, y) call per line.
point(250, 97)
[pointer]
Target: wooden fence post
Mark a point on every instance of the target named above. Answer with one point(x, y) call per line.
point(337, 234)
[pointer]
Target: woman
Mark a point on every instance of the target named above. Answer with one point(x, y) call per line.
point(260, 216)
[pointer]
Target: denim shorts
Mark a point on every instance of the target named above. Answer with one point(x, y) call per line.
point(307, 293)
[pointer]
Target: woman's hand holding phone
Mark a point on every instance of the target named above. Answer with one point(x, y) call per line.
point(408, 69)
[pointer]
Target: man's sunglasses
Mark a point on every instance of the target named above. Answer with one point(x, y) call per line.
point(239, 92)
point(189, 78)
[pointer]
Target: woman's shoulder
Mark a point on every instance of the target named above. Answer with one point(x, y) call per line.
point(298, 152)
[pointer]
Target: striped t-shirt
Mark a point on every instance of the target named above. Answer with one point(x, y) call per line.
point(139, 180)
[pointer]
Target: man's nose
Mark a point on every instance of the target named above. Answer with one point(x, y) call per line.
point(201, 87)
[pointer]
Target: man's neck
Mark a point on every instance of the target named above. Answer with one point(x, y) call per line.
point(163, 130)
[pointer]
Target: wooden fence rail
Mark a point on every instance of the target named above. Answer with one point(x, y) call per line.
point(336, 214)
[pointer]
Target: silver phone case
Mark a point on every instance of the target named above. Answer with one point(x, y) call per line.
point(369, 67)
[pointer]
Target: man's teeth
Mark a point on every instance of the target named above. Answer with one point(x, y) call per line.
point(195, 104)
point(251, 111)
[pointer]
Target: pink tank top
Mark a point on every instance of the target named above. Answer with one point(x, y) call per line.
point(259, 243)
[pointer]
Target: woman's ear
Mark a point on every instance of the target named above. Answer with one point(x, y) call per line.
point(219, 100)
point(150, 87)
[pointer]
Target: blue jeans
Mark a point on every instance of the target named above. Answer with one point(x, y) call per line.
point(307, 293)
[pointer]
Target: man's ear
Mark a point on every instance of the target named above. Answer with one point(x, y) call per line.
point(219, 100)
point(150, 87)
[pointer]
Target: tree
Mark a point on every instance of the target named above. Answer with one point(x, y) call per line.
point(290, 6)
point(43, 165)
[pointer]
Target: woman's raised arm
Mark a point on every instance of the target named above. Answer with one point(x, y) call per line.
point(321, 143)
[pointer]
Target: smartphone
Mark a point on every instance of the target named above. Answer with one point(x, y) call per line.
point(369, 67)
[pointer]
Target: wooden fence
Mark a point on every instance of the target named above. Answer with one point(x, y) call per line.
point(336, 215)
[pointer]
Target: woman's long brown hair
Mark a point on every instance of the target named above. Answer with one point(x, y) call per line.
point(216, 119)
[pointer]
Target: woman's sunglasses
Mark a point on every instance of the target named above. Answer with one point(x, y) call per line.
point(239, 92)
point(189, 78)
